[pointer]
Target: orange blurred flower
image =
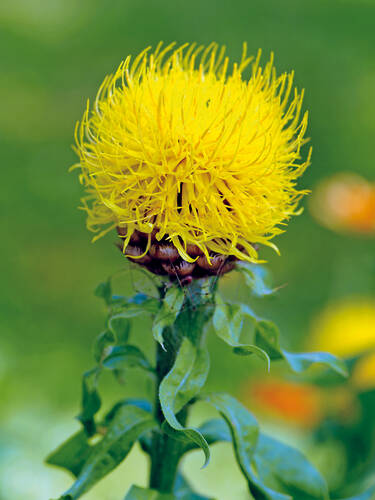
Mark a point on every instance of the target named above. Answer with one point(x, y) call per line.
point(300, 405)
point(297, 404)
point(345, 202)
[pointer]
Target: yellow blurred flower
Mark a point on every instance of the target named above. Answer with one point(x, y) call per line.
point(346, 202)
point(179, 146)
point(345, 329)
point(348, 329)
point(364, 372)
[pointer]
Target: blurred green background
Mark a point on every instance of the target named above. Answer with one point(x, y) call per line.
point(53, 56)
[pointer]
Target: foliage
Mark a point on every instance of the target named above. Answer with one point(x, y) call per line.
point(182, 318)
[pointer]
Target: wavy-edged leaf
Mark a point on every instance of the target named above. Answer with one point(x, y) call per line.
point(228, 321)
point(213, 431)
point(244, 435)
point(143, 404)
point(181, 384)
point(131, 308)
point(127, 425)
point(301, 361)
point(260, 491)
point(72, 454)
point(166, 315)
point(267, 338)
point(137, 493)
point(125, 356)
point(242, 424)
point(91, 401)
point(257, 278)
point(283, 467)
point(120, 327)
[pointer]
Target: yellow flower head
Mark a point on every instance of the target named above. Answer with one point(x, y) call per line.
point(179, 145)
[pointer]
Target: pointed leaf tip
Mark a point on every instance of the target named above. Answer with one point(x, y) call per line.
point(267, 338)
point(257, 278)
point(181, 384)
point(228, 322)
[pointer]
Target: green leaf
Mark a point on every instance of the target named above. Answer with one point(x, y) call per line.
point(125, 356)
point(72, 454)
point(262, 492)
point(183, 490)
point(143, 404)
point(369, 494)
point(194, 317)
point(267, 338)
point(127, 425)
point(181, 384)
point(283, 472)
point(256, 277)
point(104, 340)
point(133, 308)
point(91, 401)
point(213, 431)
point(120, 327)
point(166, 315)
point(228, 322)
point(137, 493)
point(242, 424)
point(282, 467)
point(244, 434)
point(301, 361)
point(104, 291)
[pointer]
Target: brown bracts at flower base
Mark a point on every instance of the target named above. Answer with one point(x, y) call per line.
point(162, 258)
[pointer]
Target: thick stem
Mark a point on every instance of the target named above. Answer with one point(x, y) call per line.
point(165, 451)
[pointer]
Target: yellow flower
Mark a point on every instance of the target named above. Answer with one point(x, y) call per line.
point(346, 329)
point(180, 146)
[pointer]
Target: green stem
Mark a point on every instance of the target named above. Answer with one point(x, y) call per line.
point(165, 451)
